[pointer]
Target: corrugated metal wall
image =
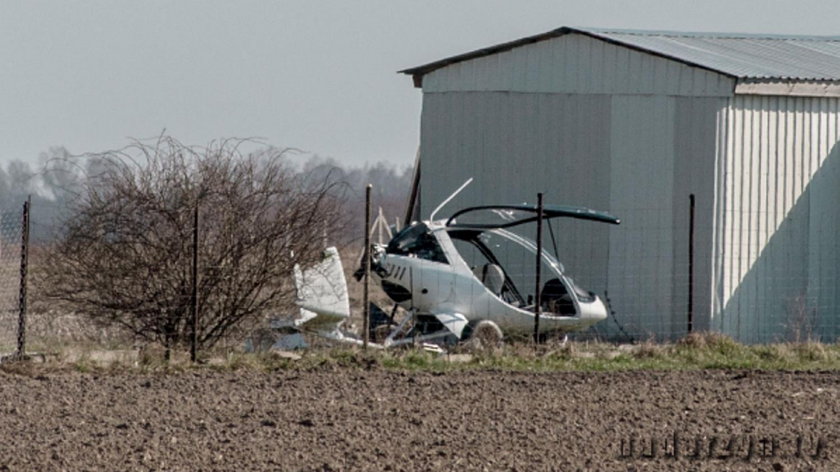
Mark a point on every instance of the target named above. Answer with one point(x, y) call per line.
point(515, 145)
point(663, 152)
point(642, 175)
point(588, 123)
point(777, 257)
point(696, 136)
point(639, 157)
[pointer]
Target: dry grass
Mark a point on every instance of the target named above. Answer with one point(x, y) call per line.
point(812, 351)
point(648, 350)
point(706, 340)
point(572, 356)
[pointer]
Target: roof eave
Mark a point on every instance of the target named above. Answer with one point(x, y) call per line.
point(418, 72)
point(793, 87)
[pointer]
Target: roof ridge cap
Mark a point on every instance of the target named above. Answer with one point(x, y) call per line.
point(706, 34)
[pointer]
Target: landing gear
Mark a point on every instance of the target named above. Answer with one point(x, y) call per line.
point(483, 335)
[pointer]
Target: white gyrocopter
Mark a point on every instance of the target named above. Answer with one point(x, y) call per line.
point(468, 277)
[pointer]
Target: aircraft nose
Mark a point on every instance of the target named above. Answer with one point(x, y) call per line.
point(602, 309)
point(596, 311)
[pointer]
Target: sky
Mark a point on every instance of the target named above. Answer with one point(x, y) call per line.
point(315, 75)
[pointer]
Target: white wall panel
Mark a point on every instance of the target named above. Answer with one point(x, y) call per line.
point(781, 219)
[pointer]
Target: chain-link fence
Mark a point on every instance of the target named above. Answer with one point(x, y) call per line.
point(660, 277)
point(13, 265)
point(665, 272)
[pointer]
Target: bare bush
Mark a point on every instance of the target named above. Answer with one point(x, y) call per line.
point(125, 254)
point(801, 320)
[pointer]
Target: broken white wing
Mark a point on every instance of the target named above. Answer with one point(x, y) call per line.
point(322, 290)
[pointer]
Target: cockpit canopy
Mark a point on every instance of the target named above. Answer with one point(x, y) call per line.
point(478, 239)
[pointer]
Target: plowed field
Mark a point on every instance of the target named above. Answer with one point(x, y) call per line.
point(355, 419)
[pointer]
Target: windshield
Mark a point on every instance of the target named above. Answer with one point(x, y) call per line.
point(417, 241)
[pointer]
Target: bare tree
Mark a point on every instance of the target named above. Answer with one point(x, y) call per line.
point(124, 257)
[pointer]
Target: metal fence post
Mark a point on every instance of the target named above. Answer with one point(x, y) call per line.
point(194, 295)
point(24, 262)
point(537, 288)
point(690, 307)
point(366, 323)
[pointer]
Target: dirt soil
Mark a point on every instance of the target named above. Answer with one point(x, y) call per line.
point(356, 419)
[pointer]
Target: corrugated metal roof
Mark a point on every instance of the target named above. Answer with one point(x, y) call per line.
point(742, 56)
point(745, 56)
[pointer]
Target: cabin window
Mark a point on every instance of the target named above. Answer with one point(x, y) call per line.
point(417, 241)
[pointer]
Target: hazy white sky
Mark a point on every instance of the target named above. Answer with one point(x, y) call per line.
point(319, 75)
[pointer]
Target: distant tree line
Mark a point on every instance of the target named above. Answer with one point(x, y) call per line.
point(58, 176)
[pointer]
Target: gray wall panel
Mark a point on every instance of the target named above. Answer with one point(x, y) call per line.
point(577, 64)
point(695, 137)
point(516, 145)
point(593, 124)
point(641, 249)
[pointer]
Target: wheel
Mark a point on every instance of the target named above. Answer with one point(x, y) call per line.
point(483, 335)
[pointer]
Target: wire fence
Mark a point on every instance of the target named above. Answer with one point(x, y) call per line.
point(666, 272)
point(758, 278)
point(660, 275)
point(13, 250)
point(55, 326)
point(30, 324)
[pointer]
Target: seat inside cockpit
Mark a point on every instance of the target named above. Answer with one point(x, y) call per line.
point(492, 276)
point(504, 263)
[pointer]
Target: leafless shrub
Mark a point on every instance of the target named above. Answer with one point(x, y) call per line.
point(801, 320)
point(125, 255)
